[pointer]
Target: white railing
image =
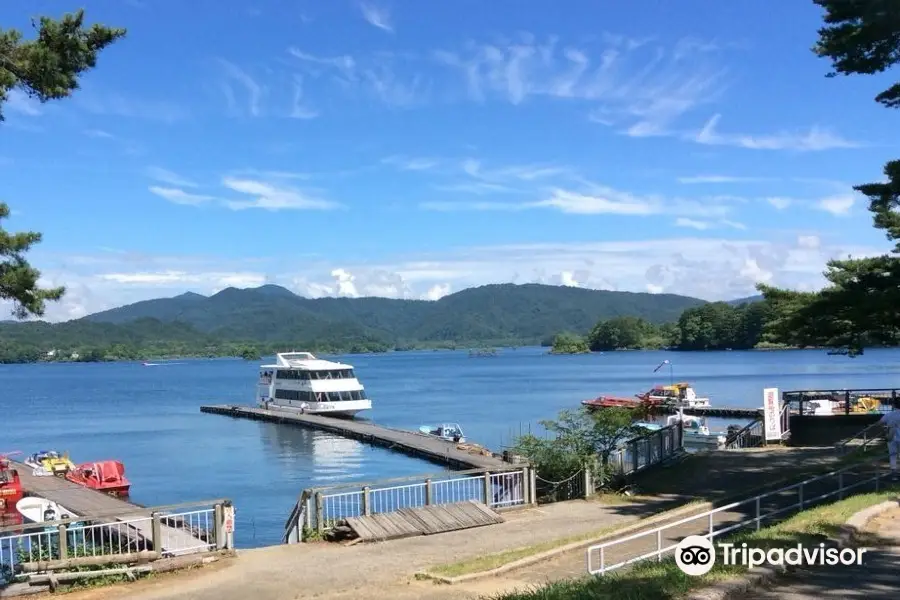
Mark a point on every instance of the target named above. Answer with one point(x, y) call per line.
point(656, 543)
point(150, 533)
point(647, 450)
point(320, 509)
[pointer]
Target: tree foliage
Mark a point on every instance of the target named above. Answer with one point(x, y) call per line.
point(858, 306)
point(578, 439)
point(569, 343)
point(45, 68)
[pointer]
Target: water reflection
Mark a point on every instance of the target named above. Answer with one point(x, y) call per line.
point(324, 456)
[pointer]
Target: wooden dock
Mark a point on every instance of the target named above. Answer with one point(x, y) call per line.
point(409, 442)
point(425, 520)
point(717, 411)
point(87, 504)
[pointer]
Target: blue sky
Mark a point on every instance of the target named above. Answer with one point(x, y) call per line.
point(412, 149)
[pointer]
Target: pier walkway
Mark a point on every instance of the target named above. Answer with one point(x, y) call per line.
point(465, 456)
point(86, 503)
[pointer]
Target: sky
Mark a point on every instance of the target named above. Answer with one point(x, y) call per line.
point(411, 149)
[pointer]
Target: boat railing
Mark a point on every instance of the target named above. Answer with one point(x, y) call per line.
point(847, 400)
point(321, 509)
point(29, 551)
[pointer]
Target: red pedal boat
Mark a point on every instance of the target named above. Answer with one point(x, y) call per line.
point(104, 476)
point(10, 488)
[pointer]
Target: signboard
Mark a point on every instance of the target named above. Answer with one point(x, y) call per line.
point(772, 414)
point(228, 519)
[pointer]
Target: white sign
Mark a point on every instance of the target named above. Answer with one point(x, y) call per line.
point(772, 414)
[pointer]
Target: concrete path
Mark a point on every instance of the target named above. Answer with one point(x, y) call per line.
point(383, 571)
point(878, 578)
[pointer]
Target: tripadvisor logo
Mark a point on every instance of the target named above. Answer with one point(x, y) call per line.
point(696, 555)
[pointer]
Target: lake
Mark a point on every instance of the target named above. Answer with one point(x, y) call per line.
point(149, 418)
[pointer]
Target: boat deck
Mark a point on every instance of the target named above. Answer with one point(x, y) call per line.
point(87, 503)
point(410, 442)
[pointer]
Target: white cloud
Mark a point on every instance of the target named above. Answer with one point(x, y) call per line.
point(612, 202)
point(170, 178)
point(270, 197)
point(19, 102)
point(377, 17)
point(780, 202)
point(299, 110)
point(692, 223)
point(718, 179)
point(709, 268)
point(179, 196)
point(837, 205)
point(645, 89)
point(254, 91)
point(99, 133)
point(815, 139)
point(406, 163)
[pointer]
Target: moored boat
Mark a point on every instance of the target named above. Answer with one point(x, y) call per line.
point(49, 462)
point(106, 476)
point(613, 402)
point(676, 394)
point(451, 432)
point(10, 486)
point(299, 381)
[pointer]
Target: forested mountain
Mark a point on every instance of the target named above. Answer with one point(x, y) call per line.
point(271, 317)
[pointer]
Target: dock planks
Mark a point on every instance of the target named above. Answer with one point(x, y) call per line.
point(87, 503)
point(425, 520)
point(410, 442)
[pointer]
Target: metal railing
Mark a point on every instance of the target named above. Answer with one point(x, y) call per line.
point(658, 542)
point(647, 450)
point(863, 440)
point(753, 434)
point(320, 509)
point(847, 401)
point(153, 533)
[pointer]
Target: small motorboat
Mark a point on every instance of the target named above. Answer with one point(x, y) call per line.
point(613, 402)
point(39, 510)
point(451, 432)
point(10, 486)
point(104, 476)
point(696, 432)
point(49, 462)
point(677, 394)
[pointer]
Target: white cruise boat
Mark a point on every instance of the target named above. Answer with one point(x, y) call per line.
point(300, 381)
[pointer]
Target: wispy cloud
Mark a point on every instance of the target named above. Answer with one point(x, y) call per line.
point(19, 102)
point(179, 196)
point(99, 133)
point(816, 139)
point(254, 91)
point(170, 178)
point(780, 202)
point(472, 206)
point(406, 163)
point(837, 205)
point(639, 87)
point(377, 16)
point(720, 179)
point(270, 197)
point(299, 110)
point(703, 225)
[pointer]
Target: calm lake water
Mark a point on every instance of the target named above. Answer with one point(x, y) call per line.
point(149, 418)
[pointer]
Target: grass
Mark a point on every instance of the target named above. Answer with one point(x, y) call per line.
point(488, 562)
point(663, 580)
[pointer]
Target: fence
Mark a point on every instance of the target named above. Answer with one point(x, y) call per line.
point(319, 509)
point(146, 534)
point(753, 434)
point(863, 440)
point(658, 542)
point(647, 450)
point(852, 401)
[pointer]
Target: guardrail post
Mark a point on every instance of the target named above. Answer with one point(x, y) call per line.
point(218, 526)
point(532, 487)
point(588, 484)
point(659, 545)
point(156, 532)
point(320, 523)
point(366, 506)
point(428, 499)
point(487, 488)
point(63, 543)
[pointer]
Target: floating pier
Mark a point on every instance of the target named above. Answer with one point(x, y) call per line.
point(87, 504)
point(715, 411)
point(409, 442)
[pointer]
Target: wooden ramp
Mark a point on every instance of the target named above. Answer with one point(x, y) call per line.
point(426, 520)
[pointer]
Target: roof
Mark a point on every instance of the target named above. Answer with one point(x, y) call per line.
point(304, 361)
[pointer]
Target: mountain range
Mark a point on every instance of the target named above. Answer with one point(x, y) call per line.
point(270, 314)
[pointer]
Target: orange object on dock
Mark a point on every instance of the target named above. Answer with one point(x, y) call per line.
point(104, 476)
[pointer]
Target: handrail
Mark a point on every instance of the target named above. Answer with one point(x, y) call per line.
point(658, 531)
point(864, 434)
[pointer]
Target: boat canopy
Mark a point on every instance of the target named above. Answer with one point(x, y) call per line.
point(304, 361)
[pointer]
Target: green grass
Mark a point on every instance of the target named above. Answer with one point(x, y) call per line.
point(498, 559)
point(652, 580)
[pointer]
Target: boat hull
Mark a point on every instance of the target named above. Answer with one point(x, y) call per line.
point(346, 408)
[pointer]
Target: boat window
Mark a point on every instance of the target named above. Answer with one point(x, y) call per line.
point(362, 395)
